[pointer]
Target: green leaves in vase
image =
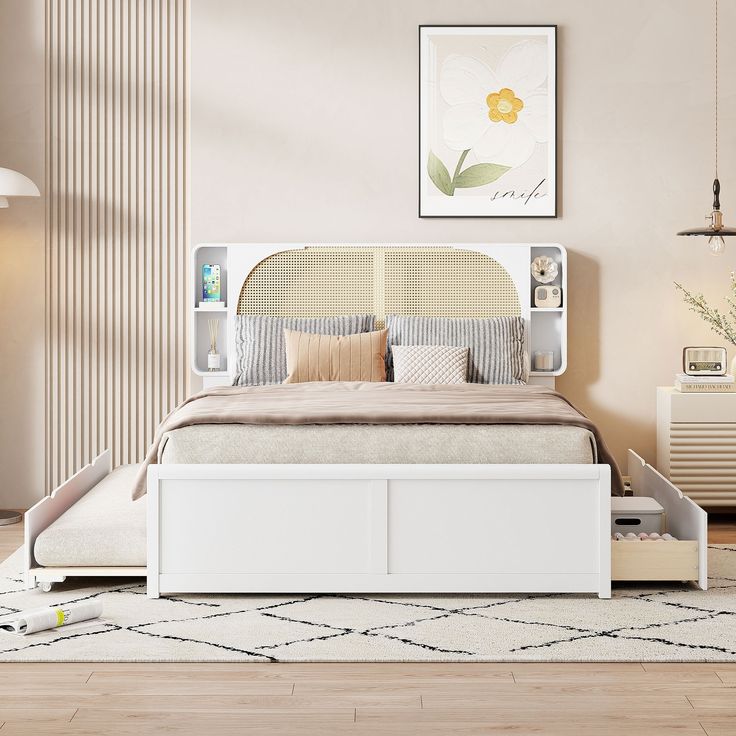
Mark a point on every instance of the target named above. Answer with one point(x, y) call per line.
point(722, 323)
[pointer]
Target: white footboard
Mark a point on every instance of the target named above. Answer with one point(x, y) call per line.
point(379, 529)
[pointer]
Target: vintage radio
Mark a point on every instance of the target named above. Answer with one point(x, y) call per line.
point(704, 361)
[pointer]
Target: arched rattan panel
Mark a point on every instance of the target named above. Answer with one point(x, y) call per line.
point(380, 280)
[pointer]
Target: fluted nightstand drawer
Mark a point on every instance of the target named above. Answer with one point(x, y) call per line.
point(696, 445)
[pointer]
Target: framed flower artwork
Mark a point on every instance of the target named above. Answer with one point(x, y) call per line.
point(487, 121)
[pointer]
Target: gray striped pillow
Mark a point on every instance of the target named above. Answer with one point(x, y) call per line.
point(496, 344)
point(260, 347)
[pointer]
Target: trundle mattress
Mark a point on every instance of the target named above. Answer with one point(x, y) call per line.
point(104, 528)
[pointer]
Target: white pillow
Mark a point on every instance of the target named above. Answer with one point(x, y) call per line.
point(430, 364)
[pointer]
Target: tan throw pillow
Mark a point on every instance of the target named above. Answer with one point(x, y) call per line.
point(430, 364)
point(311, 357)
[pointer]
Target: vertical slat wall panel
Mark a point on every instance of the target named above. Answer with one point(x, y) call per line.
point(116, 226)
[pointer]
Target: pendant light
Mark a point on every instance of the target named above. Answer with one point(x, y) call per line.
point(715, 230)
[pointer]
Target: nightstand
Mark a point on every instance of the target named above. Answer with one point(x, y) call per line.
point(696, 444)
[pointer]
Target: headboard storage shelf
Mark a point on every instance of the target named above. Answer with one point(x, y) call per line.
point(315, 280)
point(548, 325)
point(199, 333)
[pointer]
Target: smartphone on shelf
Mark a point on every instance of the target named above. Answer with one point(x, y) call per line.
point(211, 282)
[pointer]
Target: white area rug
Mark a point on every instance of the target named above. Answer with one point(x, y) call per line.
point(641, 623)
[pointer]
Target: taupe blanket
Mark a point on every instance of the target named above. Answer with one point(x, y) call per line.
point(376, 403)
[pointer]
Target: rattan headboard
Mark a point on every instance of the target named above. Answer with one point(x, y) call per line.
point(429, 281)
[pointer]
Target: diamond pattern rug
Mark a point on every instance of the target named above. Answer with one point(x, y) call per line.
point(642, 622)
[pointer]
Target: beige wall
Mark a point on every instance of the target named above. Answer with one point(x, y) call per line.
point(304, 127)
point(22, 255)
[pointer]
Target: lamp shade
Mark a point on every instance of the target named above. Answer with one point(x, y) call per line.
point(709, 231)
point(14, 184)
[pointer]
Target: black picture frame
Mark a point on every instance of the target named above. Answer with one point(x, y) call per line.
point(422, 164)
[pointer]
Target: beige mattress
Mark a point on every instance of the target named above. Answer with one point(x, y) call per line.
point(378, 443)
point(104, 528)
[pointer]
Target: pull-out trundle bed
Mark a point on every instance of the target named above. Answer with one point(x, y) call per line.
point(389, 509)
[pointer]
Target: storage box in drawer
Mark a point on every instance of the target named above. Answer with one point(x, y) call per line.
point(654, 560)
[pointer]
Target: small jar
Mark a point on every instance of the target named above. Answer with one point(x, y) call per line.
point(544, 360)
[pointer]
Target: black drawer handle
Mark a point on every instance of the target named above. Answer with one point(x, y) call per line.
point(623, 521)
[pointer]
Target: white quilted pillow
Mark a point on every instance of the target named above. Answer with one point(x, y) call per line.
point(430, 364)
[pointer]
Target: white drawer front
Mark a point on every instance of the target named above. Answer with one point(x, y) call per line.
point(266, 526)
point(491, 526)
point(703, 461)
point(696, 407)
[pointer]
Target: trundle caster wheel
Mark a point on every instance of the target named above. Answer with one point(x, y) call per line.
point(46, 587)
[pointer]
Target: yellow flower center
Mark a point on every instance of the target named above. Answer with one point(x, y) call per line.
point(503, 106)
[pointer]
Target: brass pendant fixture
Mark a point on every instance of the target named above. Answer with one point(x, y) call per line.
point(715, 230)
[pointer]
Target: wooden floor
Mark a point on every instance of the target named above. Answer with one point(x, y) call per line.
point(628, 699)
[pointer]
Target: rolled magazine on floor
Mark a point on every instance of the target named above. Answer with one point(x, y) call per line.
point(52, 617)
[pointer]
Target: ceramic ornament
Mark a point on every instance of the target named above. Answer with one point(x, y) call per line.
point(544, 269)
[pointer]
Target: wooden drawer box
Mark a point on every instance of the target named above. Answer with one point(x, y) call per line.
point(654, 560)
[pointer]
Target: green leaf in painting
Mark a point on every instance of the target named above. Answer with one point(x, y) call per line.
point(479, 174)
point(439, 175)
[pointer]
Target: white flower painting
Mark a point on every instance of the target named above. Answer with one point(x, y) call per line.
point(487, 121)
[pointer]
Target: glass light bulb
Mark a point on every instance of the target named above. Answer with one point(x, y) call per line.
point(716, 245)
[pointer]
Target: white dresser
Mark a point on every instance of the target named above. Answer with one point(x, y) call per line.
point(696, 445)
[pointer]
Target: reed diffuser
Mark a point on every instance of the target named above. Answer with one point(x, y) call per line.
point(213, 357)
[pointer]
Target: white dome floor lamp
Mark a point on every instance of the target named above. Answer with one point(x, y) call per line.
point(14, 184)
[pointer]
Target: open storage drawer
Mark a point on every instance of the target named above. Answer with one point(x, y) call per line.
point(683, 560)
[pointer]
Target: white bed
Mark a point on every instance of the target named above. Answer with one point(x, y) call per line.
point(368, 526)
point(82, 521)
